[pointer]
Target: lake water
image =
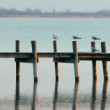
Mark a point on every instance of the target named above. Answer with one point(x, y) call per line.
point(48, 94)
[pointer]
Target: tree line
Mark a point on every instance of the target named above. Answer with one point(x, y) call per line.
point(53, 13)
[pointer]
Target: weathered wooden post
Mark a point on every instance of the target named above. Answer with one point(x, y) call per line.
point(105, 69)
point(17, 62)
point(56, 63)
point(94, 63)
point(35, 68)
point(76, 68)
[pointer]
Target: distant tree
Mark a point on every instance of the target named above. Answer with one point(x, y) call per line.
point(53, 13)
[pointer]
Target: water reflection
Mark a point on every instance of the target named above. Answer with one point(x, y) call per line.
point(34, 101)
point(74, 101)
point(17, 95)
point(55, 97)
point(34, 98)
point(104, 95)
point(76, 93)
point(94, 91)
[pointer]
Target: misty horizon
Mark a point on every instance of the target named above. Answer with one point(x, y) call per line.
point(53, 10)
point(59, 5)
point(37, 12)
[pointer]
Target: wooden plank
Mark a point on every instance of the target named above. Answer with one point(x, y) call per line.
point(54, 54)
point(94, 56)
point(71, 60)
point(98, 59)
point(64, 60)
point(15, 55)
point(81, 55)
point(26, 60)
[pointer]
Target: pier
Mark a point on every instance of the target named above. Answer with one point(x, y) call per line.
point(59, 57)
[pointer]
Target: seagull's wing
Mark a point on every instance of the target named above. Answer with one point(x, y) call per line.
point(76, 37)
point(95, 38)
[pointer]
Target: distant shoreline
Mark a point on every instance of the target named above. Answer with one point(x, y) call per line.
point(35, 16)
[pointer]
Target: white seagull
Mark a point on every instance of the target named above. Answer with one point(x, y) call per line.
point(95, 38)
point(94, 50)
point(55, 37)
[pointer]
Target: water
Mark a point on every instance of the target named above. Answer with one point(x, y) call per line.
point(48, 94)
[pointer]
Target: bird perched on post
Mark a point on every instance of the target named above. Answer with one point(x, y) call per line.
point(94, 50)
point(76, 37)
point(55, 37)
point(95, 38)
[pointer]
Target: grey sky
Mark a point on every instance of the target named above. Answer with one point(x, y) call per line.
point(59, 5)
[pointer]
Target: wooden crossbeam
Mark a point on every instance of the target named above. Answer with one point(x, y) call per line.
point(54, 54)
point(64, 60)
point(15, 55)
point(81, 55)
point(26, 60)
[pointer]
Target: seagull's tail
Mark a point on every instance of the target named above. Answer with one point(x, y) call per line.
point(79, 38)
point(98, 39)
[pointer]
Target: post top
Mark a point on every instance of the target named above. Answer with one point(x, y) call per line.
point(17, 40)
point(103, 42)
point(33, 41)
point(74, 41)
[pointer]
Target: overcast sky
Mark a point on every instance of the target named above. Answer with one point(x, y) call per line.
point(59, 5)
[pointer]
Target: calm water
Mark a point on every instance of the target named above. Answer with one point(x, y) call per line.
point(48, 94)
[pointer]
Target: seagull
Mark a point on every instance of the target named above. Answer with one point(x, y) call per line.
point(95, 38)
point(55, 37)
point(94, 50)
point(75, 37)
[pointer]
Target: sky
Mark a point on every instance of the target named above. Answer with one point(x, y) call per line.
point(58, 5)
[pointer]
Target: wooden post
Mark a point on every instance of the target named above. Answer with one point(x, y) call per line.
point(17, 63)
point(94, 64)
point(56, 63)
point(35, 68)
point(105, 69)
point(76, 68)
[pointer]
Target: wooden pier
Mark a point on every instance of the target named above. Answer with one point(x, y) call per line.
point(59, 57)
